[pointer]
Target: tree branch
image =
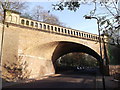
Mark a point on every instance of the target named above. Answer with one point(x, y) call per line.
point(108, 9)
point(115, 7)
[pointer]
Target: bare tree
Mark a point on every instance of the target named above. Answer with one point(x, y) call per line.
point(51, 19)
point(12, 5)
point(39, 14)
point(36, 13)
point(7, 5)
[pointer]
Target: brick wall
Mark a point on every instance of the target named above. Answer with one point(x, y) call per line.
point(113, 69)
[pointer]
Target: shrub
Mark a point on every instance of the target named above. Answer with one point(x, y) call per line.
point(15, 71)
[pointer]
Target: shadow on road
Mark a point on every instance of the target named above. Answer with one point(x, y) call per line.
point(62, 81)
point(66, 80)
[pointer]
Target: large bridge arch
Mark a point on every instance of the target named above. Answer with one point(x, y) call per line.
point(65, 47)
point(45, 55)
point(55, 49)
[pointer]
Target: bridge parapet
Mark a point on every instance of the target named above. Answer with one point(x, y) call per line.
point(15, 18)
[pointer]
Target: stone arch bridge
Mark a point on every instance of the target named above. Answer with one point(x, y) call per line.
point(41, 44)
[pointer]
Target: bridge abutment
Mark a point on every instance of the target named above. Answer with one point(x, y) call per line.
point(38, 67)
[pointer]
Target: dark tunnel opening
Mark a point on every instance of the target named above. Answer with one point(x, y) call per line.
point(77, 63)
point(64, 48)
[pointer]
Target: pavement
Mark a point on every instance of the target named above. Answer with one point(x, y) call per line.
point(68, 81)
point(109, 82)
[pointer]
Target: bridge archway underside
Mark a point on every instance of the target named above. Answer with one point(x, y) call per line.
point(68, 47)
